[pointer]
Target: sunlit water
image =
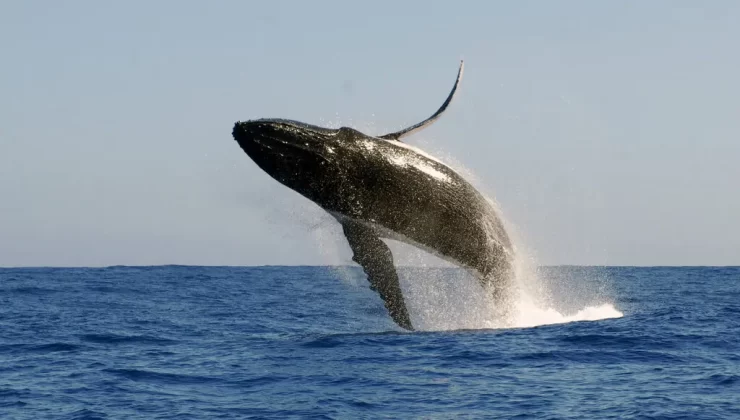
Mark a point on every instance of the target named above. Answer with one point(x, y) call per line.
point(316, 342)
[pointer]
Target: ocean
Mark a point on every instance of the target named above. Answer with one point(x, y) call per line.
point(182, 342)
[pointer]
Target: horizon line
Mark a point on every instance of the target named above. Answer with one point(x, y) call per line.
point(3, 267)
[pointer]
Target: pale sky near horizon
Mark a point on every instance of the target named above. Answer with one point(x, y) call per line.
point(608, 132)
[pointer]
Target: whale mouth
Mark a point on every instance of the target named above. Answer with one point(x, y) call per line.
point(281, 136)
point(283, 139)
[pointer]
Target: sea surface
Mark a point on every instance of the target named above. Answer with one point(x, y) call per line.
point(182, 342)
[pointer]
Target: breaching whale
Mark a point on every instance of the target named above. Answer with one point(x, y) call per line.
point(378, 187)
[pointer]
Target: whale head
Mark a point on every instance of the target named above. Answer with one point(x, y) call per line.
point(339, 169)
point(310, 160)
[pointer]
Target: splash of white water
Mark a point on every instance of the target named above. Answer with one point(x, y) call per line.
point(534, 304)
point(532, 315)
point(452, 299)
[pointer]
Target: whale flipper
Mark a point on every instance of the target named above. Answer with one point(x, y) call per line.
point(414, 128)
point(376, 260)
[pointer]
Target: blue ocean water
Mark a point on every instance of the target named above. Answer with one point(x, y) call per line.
point(315, 342)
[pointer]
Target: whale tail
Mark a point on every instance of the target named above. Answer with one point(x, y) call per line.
point(398, 135)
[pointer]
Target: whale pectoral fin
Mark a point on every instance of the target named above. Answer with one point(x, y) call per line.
point(376, 260)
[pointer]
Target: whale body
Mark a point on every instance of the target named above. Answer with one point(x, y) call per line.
point(378, 187)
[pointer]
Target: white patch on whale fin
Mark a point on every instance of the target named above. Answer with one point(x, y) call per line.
point(414, 128)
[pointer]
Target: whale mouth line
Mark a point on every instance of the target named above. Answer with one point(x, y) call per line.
point(282, 146)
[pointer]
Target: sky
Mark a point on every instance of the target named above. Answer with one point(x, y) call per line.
point(608, 132)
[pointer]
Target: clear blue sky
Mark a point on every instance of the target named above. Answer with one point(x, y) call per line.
point(609, 132)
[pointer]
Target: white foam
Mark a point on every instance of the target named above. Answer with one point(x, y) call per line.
point(453, 300)
point(529, 314)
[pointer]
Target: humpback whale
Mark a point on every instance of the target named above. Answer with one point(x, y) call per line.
point(378, 187)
